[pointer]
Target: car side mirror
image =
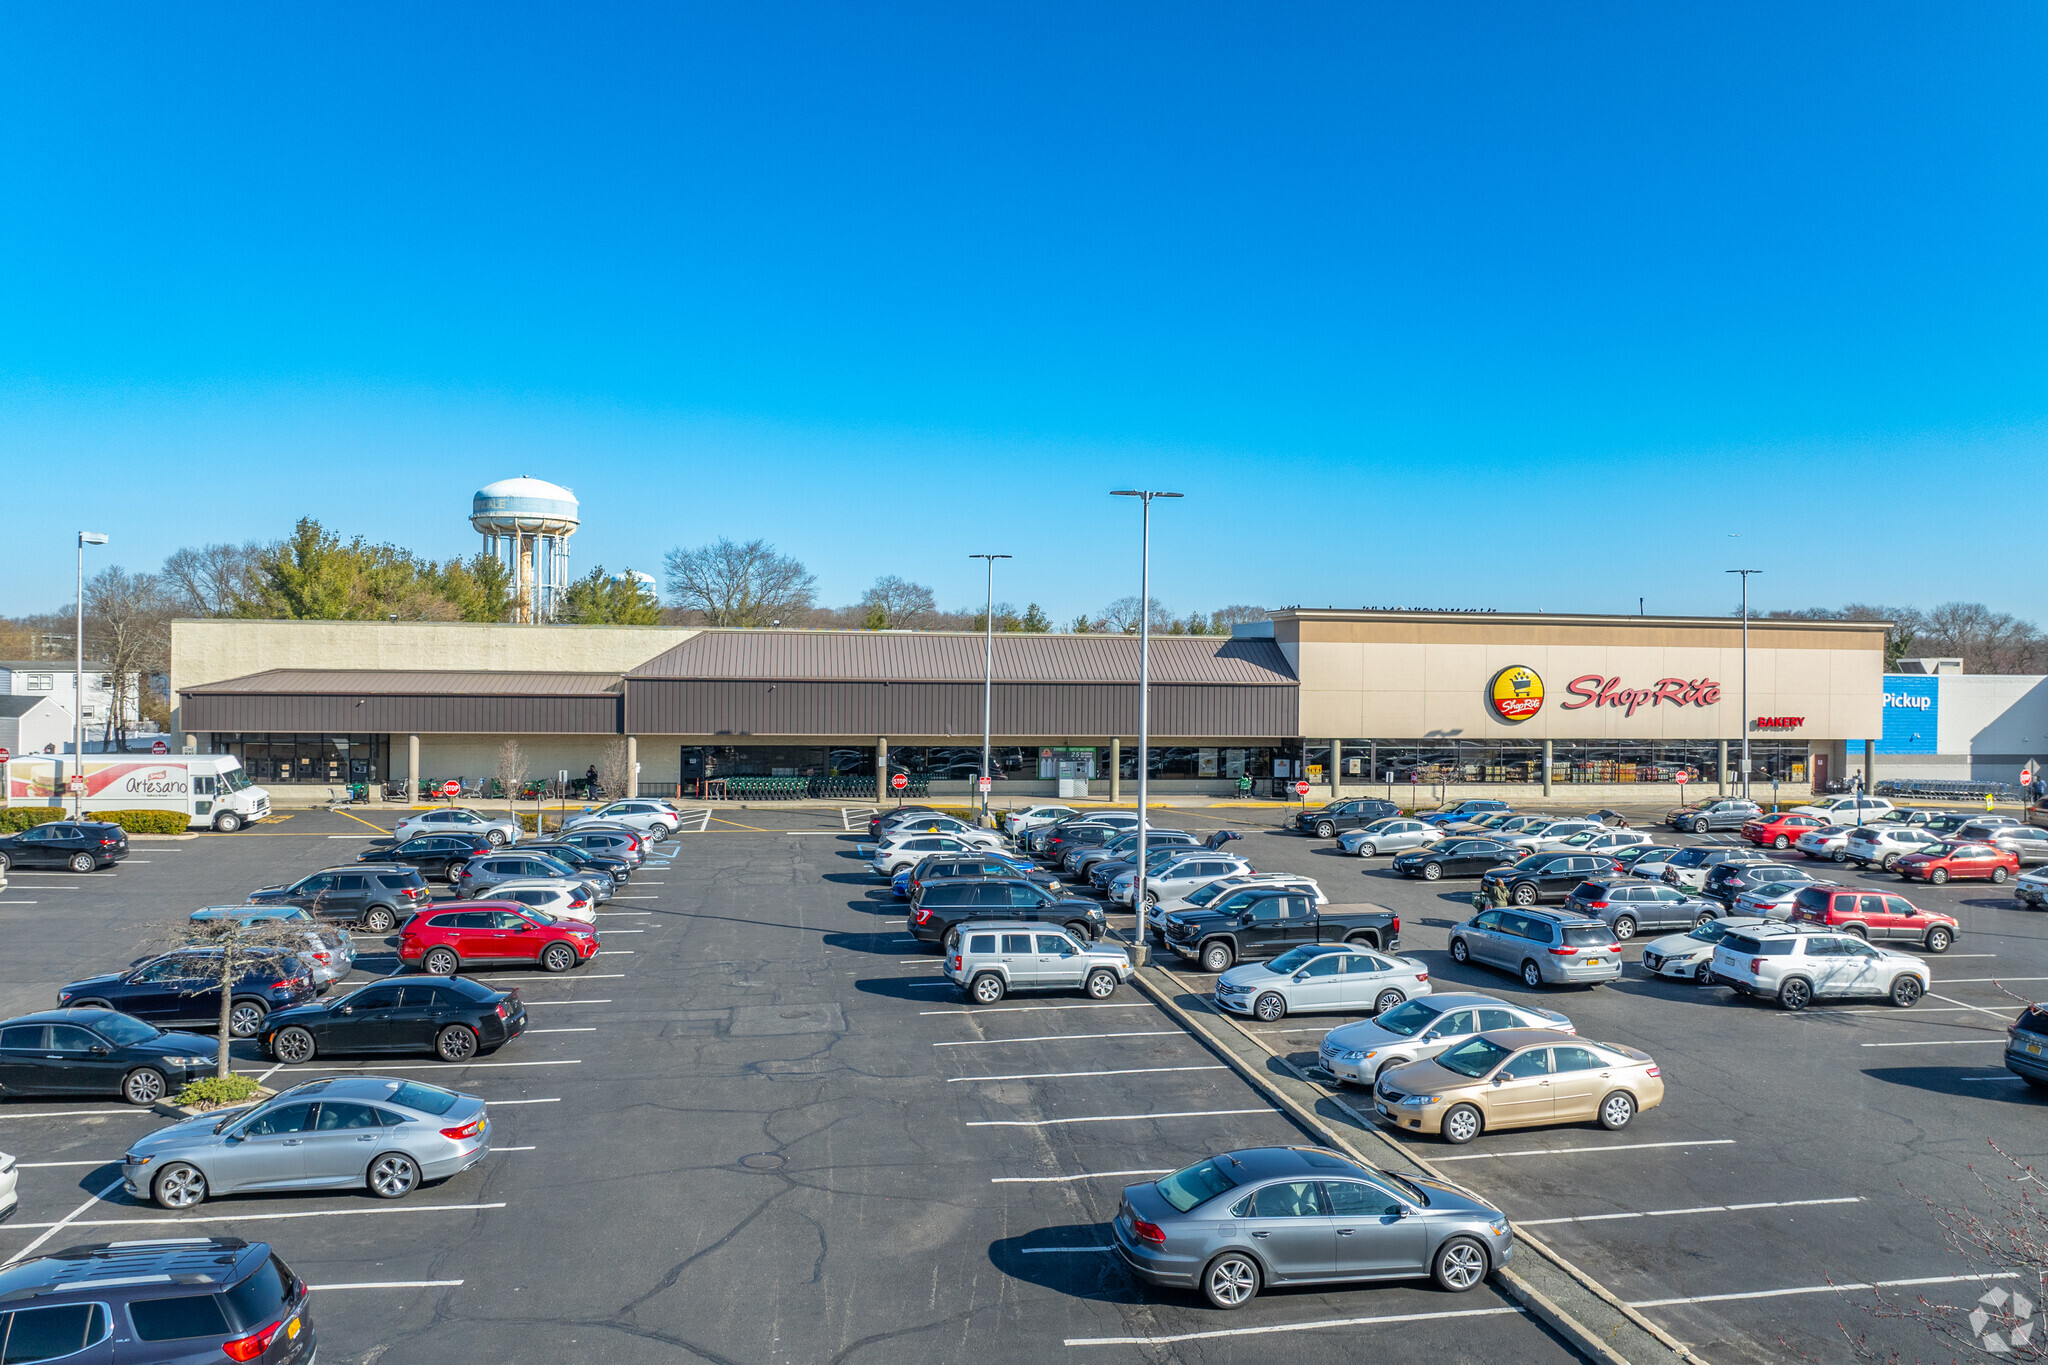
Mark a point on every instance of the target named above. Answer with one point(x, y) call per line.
point(99, 1051)
point(1497, 1080)
point(1300, 976)
point(348, 1009)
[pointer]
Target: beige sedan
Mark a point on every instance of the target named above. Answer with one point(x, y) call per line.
point(1519, 1078)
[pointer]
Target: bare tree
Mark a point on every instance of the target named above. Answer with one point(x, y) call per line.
point(730, 584)
point(895, 603)
point(511, 772)
point(1236, 615)
point(127, 623)
point(612, 768)
point(212, 580)
point(1121, 616)
point(226, 949)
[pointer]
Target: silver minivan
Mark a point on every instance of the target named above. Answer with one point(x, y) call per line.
point(1543, 947)
point(989, 960)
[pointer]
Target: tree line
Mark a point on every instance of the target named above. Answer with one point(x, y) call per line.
point(1986, 641)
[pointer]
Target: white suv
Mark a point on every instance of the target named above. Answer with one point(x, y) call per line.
point(1017, 821)
point(1797, 966)
point(1886, 844)
point(1842, 809)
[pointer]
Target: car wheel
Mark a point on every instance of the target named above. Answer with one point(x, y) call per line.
point(82, 862)
point(179, 1186)
point(1617, 1110)
point(1459, 1264)
point(456, 1043)
point(245, 1018)
point(496, 836)
point(986, 989)
point(1795, 994)
point(1217, 957)
point(1462, 1124)
point(1388, 999)
point(1269, 1007)
point(1366, 850)
point(1151, 897)
point(441, 962)
point(1841, 855)
point(1780, 842)
point(1938, 939)
point(1325, 830)
point(4, 864)
point(1532, 975)
point(1705, 975)
point(1861, 931)
point(1432, 871)
point(1938, 876)
point(1889, 862)
point(1525, 894)
point(393, 1176)
point(1699, 827)
point(1231, 1280)
point(1460, 954)
point(558, 957)
point(380, 920)
point(145, 1085)
point(1997, 874)
point(227, 822)
point(1704, 918)
point(1906, 992)
point(1101, 985)
point(292, 1045)
point(1625, 927)
point(89, 1005)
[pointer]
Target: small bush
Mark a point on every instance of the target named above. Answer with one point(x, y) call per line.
point(15, 819)
point(218, 1091)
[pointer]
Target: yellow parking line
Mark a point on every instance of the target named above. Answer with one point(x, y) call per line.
point(361, 821)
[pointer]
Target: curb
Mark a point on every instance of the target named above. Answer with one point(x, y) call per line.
point(1541, 1305)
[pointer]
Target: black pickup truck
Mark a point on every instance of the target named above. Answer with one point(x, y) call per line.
point(1258, 923)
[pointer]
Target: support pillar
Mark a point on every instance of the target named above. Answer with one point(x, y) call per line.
point(1721, 769)
point(412, 765)
point(1336, 770)
point(1869, 765)
point(1116, 769)
point(632, 765)
point(881, 770)
point(1548, 754)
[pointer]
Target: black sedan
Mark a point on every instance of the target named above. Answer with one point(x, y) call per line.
point(452, 1017)
point(81, 845)
point(99, 1052)
point(1456, 858)
point(582, 859)
point(183, 987)
point(435, 855)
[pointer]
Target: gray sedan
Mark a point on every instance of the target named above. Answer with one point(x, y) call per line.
point(499, 829)
point(1239, 1222)
point(655, 818)
point(349, 1132)
point(1321, 976)
point(1388, 836)
point(1420, 1029)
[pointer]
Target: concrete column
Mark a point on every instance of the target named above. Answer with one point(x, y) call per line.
point(632, 765)
point(192, 743)
point(881, 770)
point(1869, 765)
point(1116, 769)
point(1548, 754)
point(412, 765)
point(1721, 768)
point(1336, 770)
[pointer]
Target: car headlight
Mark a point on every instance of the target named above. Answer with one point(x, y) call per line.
point(1498, 1227)
point(1422, 1101)
point(133, 1160)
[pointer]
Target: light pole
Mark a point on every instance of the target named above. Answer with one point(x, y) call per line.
point(85, 538)
point(988, 674)
point(1144, 701)
point(1745, 573)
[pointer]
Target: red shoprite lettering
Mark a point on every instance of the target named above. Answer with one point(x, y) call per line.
point(1594, 690)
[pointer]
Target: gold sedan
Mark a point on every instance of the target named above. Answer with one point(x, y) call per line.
point(1519, 1078)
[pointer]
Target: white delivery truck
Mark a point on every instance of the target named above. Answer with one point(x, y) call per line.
point(211, 789)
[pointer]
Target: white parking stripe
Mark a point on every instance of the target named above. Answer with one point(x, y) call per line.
point(252, 1217)
point(312, 1067)
point(626, 931)
point(1674, 1213)
point(636, 898)
point(1278, 1328)
point(1825, 1289)
point(1063, 1038)
point(1063, 1179)
point(1570, 1151)
point(71, 1113)
point(621, 914)
point(52, 1165)
point(1032, 1009)
point(2016, 1080)
point(568, 1002)
point(1983, 980)
point(496, 1150)
point(388, 1284)
point(1941, 1042)
point(2004, 1016)
point(1062, 1075)
point(1951, 957)
point(587, 1028)
point(1116, 1118)
point(546, 981)
point(67, 1220)
point(1056, 1251)
point(556, 1100)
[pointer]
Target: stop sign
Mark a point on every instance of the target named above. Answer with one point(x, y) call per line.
point(899, 781)
point(451, 788)
point(1301, 789)
point(159, 748)
point(1681, 778)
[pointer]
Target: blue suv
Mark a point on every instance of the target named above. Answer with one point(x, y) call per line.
point(183, 987)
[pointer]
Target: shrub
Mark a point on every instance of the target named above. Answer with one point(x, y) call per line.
point(217, 1091)
point(15, 819)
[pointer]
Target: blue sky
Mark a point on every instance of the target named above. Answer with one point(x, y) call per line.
point(1485, 305)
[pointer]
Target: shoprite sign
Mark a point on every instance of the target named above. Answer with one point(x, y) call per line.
point(1594, 690)
point(1516, 693)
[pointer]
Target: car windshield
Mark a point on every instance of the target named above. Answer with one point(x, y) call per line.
point(233, 780)
point(1209, 893)
point(1294, 959)
point(1474, 1057)
point(428, 1099)
point(123, 1031)
point(1531, 861)
point(1197, 1184)
point(1711, 932)
point(1408, 1019)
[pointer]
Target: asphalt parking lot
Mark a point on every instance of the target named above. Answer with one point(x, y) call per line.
point(759, 1127)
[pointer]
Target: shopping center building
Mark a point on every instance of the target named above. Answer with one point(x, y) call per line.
point(1519, 703)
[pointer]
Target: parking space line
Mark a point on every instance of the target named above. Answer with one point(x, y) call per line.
point(2008, 1077)
point(67, 1220)
point(1052, 1251)
point(1572, 1151)
point(387, 1284)
point(532, 1003)
point(542, 980)
point(628, 931)
point(72, 1113)
point(556, 1100)
point(636, 898)
point(587, 1028)
point(1825, 1289)
point(1064, 1179)
point(1984, 980)
point(1941, 1042)
point(615, 952)
point(2003, 1016)
point(1064, 1038)
point(1063, 1075)
point(1674, 1213)
point(1118, 1118)
point(1277, 1328)
point(257, 1217)
point(495, 1150)
point(621, 914)
point(53, 1165)
point(422, 1066)
point(1033, 1009)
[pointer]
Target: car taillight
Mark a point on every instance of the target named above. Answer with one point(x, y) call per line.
point(1597, 905)
point(1756, 966)
point(467, 1130)
point(1422, 976)
point(579, 904)
point(322, 957)
point(504, 1013)
point(1148, 1232)
point(106, 843)
point(466, 873)
point(1566, 951)
point(1652, 1072)
point(253, 1345)
point(415, 893)
point(923, 915)
point(1395, 927)
point(956, 964)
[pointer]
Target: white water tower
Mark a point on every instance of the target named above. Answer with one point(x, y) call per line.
point(526, 524)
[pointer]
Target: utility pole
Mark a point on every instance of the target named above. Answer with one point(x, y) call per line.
point(1745, 573)
point(1144, 702)
point(85, 538)
point(988, 673)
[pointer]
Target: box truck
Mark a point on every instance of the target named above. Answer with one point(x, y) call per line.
point(211, 789)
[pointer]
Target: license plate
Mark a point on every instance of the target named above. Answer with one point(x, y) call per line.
point(291, 1330)
point(2034, 1048)
point(1596, 962)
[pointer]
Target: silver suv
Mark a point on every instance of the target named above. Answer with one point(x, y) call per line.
point(482, 873)
point(1543, 947)
point(1797, 966)
point(1687, 869)
point(1192, 873)
point(989, 960)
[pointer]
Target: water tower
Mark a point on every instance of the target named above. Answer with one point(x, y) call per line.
point(526, 524)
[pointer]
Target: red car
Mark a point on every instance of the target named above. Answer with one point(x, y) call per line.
point(1875, 917)
point(1963, 862)
point(444, 941)
point(1779, 831)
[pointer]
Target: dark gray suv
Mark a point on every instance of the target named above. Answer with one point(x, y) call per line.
point(377, 896)
point(189, 1300)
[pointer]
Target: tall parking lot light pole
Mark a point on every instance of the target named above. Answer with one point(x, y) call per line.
point(1745, 676)
point(85, 538)
point(1144, 702)
point(988, 674)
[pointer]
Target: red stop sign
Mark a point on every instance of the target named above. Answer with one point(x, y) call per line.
point(4, 755)
point(451, 788)
point(1682, 779)
point(899, 781)
point(1301, 789)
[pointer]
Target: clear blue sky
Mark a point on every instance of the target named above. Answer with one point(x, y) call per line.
point(1505, 305)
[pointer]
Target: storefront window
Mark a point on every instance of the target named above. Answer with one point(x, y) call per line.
point(1602, 762)
point(334, 759)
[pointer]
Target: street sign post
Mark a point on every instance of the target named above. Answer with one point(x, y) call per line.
point(159, 748)
point(1301, 789)
point(451, 788)
point(986, 786)
point(1682, 779)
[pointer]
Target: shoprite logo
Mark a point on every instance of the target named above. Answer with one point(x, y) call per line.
point(1517, 693)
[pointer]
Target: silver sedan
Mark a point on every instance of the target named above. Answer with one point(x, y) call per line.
point(1420, 1029)
point(1321, 976)
point(499, 829)
point(1388, 836)
point(349, 1132)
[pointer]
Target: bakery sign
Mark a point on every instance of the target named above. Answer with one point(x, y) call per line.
point(1778, 722)
point(1595, 690)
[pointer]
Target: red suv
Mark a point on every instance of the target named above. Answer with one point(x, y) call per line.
point(444, 942)
point(1779, 831)
point(1875, 917)
point(1963, 862)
